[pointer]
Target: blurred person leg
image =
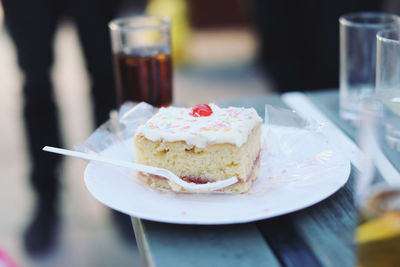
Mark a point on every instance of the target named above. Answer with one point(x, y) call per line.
point(299, 40)
point(31, 25)
point(91, 18)
point(95, 40)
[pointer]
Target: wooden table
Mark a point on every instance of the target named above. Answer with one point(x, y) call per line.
point(321, 235)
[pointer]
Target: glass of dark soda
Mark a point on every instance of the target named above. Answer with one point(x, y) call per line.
point(142, 59)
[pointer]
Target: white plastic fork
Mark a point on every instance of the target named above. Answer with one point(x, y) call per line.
point(208, 187)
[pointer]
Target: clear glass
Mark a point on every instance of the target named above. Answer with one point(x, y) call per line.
point(388, 83)
point(377, 199)
point(142, 59)
point(358, 58)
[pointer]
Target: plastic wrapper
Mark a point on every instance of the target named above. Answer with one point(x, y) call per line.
point(286, 155)
point(298, 168)
point(291, 155)
point(121, 126)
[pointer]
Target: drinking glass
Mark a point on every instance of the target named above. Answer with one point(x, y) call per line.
point(377, 198)
point(388, 83)
point(358, 58)
point(142, 59)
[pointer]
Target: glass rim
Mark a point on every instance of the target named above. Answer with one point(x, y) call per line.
point(122, 24)
point(348, 19)
point(380, 36)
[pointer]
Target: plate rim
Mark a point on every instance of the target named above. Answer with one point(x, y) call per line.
point(222, 221)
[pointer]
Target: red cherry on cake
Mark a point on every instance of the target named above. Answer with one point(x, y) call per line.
point(201, 110)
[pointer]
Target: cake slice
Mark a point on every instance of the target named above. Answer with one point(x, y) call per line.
point(201, 145)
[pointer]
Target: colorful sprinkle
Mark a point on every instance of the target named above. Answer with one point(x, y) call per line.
point(230, 125)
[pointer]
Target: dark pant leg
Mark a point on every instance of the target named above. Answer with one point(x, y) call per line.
point(31, 25)
point(273, 21)
point(92, 17)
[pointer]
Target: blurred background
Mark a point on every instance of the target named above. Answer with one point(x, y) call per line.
point(216, 62)
point(221, 50)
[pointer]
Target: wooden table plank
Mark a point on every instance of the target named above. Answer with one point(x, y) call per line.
point(186, 245)
point(328, 227)
point(285, 241)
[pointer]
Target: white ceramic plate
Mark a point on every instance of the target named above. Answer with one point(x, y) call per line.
point(298, 169)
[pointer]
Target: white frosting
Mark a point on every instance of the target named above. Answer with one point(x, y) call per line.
point(225, 125)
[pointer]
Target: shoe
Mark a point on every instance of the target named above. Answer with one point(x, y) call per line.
point(124, 227)
point(40, 235)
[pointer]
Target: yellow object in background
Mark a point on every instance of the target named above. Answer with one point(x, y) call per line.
point(378, 241)
point(177, 11)
point(386, 226)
